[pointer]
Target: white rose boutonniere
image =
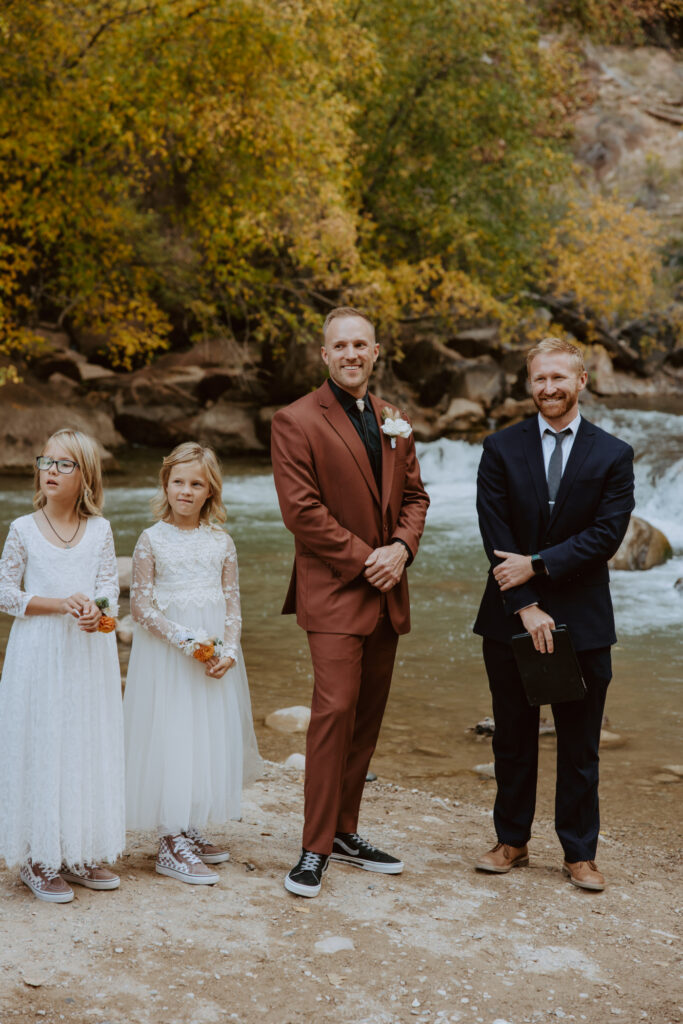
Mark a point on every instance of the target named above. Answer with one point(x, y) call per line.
point(394, 426)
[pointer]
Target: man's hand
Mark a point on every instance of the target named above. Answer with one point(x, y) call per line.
point(515, 570)
point(384, 566)
point(538, 623)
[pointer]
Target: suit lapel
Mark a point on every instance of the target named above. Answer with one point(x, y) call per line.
point(583, 442)
point(388, 453)
point(534, 456)
point(340, 422)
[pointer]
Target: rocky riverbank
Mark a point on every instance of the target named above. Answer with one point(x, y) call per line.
point(438, 944)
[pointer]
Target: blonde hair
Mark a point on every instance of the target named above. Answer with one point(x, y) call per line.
point(549, 346)
point(83, 450)
point(341, 311)
point(213, 508)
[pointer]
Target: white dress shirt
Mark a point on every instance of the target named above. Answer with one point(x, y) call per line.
point(548, 443)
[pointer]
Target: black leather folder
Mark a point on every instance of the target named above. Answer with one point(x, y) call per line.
point(549, 678)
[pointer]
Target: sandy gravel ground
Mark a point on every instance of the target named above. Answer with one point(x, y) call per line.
point(439, 943)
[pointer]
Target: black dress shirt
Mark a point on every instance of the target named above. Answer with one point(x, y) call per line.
point(366, 427)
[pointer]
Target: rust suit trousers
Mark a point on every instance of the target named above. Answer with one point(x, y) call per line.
point(352, 676)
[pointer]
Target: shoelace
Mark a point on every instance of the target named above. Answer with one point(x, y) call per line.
point(195, 836)
point(311, 861)
point(43, 873)
point(363, 843)
point(182, 845)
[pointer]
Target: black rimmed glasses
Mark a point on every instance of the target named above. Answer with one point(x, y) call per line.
point(65, 466)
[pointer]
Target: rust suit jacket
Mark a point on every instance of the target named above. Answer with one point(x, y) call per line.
point(330, 501)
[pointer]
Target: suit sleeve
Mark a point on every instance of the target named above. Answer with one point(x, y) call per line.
point(301, 504)
point(599, 541)
point(493, 510)
point(414, 504)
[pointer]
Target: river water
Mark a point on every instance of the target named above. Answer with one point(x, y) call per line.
point(439, 688)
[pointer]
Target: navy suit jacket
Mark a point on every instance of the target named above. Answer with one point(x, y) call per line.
point(584, 530)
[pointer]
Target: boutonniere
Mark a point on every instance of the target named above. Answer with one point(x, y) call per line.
point(394, 425)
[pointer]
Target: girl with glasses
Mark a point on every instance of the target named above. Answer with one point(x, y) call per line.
point(61, 727)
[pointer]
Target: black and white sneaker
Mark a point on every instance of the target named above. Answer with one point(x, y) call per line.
point(305, 878)
point(351, 849)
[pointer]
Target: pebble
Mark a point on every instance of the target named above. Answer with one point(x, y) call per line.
point(487, 770)
point(673, 769)
point(333, 944)
point(296, 761)
point(665, 777)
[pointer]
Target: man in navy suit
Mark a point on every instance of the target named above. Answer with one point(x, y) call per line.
point(554, 497)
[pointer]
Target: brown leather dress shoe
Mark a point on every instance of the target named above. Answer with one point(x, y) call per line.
point(585, 875)
point(502, 858)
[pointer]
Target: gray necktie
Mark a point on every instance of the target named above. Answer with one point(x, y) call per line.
point(555, 464)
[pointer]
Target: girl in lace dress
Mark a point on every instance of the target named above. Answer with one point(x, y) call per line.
point(61, 724)
point(189, 735)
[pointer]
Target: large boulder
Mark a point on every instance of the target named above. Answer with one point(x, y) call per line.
point(481, 381)
point(601, 377)
point(153, 405)
point(228, 427)
point(29, 415)
point(462, 415)
point(643, 547)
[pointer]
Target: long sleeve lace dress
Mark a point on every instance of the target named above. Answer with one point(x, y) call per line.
point(61, 723)
point(190, 743)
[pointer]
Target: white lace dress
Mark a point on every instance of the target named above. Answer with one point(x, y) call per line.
point(61, 723)
point(190, 743)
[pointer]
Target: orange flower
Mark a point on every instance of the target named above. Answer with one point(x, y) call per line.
point(106, 624)
point(204, 652)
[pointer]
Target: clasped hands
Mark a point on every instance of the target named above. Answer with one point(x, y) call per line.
point(83, 609)
point(217, 667)
point(384, 566)
point(512, 572)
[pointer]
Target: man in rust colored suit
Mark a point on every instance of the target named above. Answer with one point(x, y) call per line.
point(353, 498)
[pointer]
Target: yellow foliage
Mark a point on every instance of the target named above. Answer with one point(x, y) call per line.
point(605, 257)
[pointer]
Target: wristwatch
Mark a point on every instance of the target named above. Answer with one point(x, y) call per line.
point(538, 565)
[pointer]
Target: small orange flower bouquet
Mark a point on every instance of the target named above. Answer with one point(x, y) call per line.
point(107, 623)
point(202, 650)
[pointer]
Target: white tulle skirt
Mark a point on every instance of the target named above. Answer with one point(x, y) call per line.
point(61, 745)
point(189, 739)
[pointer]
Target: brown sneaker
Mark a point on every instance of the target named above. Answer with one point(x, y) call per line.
point(502, 858)
point(177, 859)
point(205, 850)
point(45, 883)
point(585, 875)
point(92, 876)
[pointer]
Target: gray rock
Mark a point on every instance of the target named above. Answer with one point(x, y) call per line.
point(28, 416)
point(462, 414)
point(229, 427)
point(294, 719)
point(124, 630)
point(333, 944)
